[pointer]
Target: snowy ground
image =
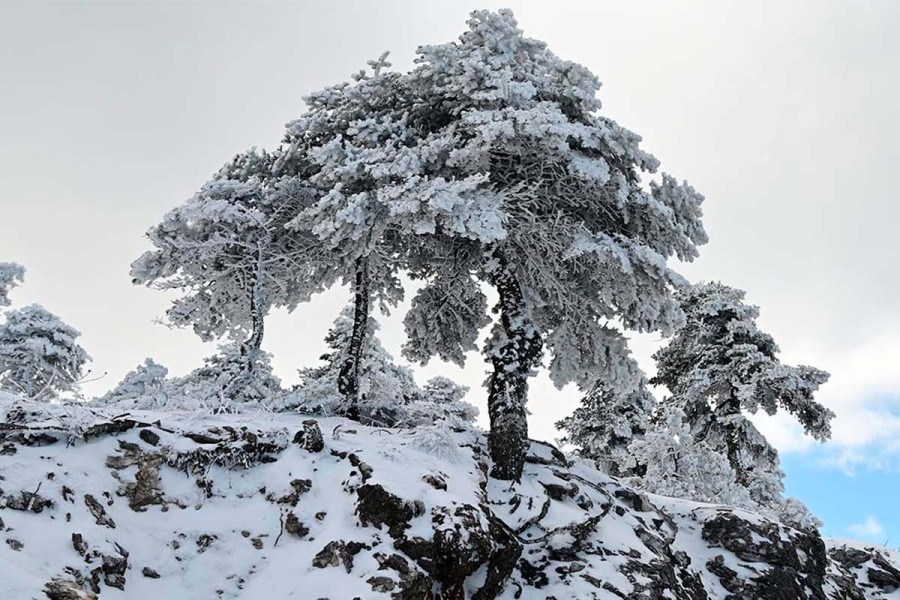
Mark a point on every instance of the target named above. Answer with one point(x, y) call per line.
point(188, 506)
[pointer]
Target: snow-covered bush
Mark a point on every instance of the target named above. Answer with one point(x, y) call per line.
point(384, 387)
point(668, 460)
point(389, 395)
point(146, 385)
point(606, 422)
point(230, 378)
point(39, 355)
point(441, 399)
point(11, 275)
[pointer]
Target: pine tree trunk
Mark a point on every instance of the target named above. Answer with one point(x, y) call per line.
point(513, 356)
point(725, 414)
point(250, 348)
point(348, 378)
point(257, 308)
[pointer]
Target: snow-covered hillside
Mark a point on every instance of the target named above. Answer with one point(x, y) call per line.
point(150, 505)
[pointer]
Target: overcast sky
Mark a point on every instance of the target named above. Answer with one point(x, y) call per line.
point(784, 115)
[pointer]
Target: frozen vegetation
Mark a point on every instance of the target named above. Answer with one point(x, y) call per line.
point(487, 166)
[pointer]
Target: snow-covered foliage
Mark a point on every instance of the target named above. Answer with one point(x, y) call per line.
point(668, 460)
point(39, 355)
point(605, 424)
point(389, 395)
point(146, 384)
point(495, 147)
point(719, 366)
point(11, 275)
point(441, 399)
point(228, 251)
point(226, 383)
point(384, 386)
point(231, 377)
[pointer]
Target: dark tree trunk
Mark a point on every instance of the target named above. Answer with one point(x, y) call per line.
point(513, 357)
point(348, 378)
point(724, 415)
point(250, 348)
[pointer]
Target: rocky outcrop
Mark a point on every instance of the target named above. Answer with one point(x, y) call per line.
point(226, 506)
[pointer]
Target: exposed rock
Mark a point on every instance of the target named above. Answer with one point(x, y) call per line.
point(28, 501)
point(505, 553)
point(14, 544)
point(149, 437)
point(204, 541)
point(414, 584)
point(113, 569)
point(376, 506)
point(435, 481)
point(109, 428)
point(60, 589)
point(146, 489)
point(98, 512)
point(338, 553)
point(381, 584)
point(79, 544)
point(298, 488)
point(293, 526)
point(149, 573)
point(560, 492)
point(310, 437)
point(364, 469)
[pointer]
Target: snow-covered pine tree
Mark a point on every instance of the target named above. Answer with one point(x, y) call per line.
point(495, 141)
point(365, 246)
point(719, 366)
point(606, 422)
point(11, 275)
point(385, 388)
point(39, 355)
point(228, 250)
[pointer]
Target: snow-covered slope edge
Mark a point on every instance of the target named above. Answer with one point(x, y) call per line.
point(150, 505)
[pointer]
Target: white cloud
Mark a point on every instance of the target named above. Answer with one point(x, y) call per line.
point(870, 529)
point(864, 392)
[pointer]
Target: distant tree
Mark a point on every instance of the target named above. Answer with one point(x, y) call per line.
point(230, 253)
point(11, 275)
point(39, 357)
point(441, 400)
point(384, 387)
point(212, 386)
point(147, 382)
point(719, 366)
point(606, 423)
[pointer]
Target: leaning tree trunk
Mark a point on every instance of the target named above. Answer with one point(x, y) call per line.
point(348, 378)
point(513, 355)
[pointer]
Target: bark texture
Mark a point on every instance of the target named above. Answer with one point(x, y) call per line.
point(513, 355)
point(348, 378)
